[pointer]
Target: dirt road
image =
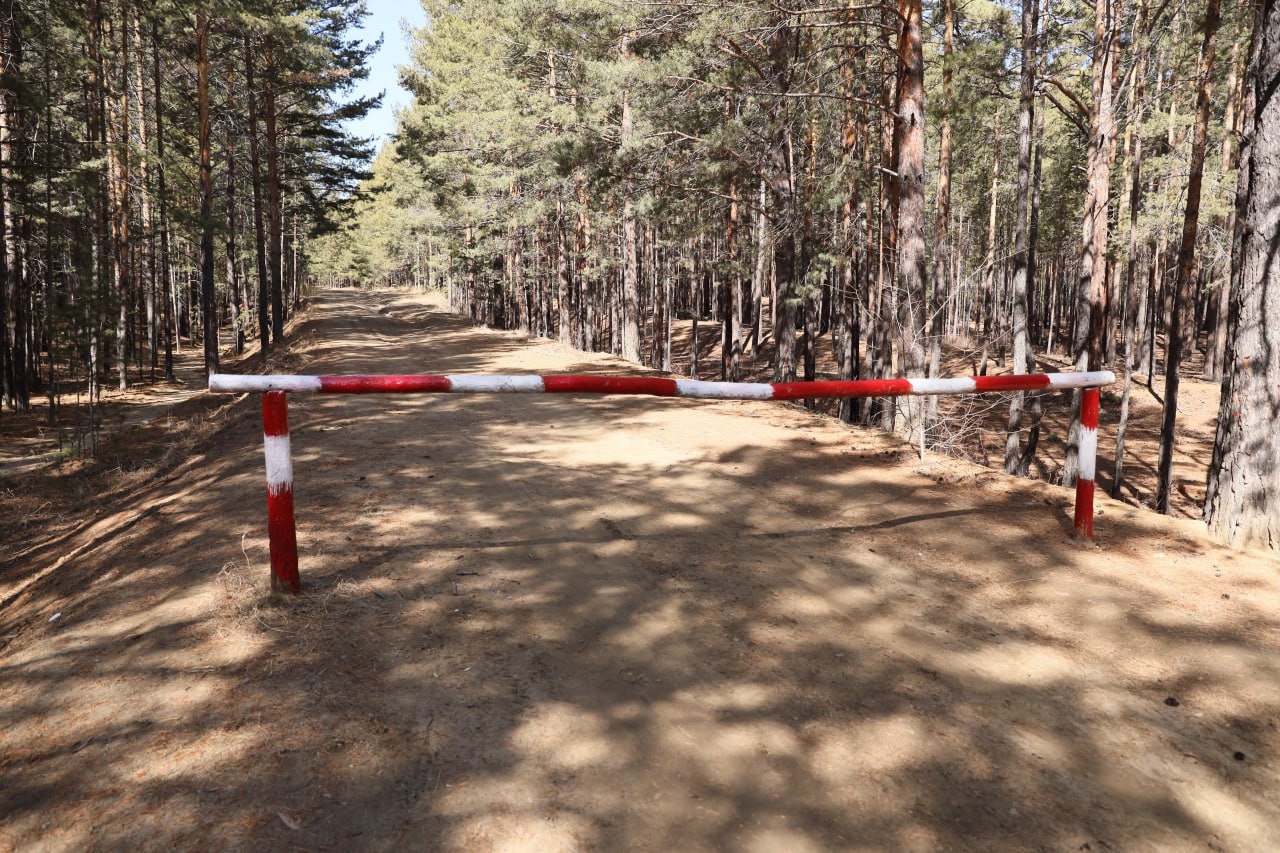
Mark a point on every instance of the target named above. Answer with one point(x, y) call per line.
point(544, 623)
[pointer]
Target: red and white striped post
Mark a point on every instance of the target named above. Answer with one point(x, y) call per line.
point(280, 527)
point(275, 416)
point(1090, 403)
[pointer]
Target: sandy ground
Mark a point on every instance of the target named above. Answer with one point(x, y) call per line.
point(545, 623)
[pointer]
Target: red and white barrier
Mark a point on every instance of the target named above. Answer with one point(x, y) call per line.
point(280, 527)
point(457, 383)
point(275, 418)
point(1090, 403)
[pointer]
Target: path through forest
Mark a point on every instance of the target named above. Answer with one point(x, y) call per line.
point(546, 623)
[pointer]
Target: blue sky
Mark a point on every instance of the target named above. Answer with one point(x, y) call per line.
point(385, 17)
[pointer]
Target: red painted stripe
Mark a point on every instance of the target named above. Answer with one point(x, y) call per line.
point(280, 527)
point(1084, 508)
point(283, 538)
point(383, 384)
point(1016, 382)
point(275, 413)
point(850, 388)
point(609, 385)
point(1089, 404)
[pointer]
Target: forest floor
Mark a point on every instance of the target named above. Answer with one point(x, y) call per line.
point(974, 428)
point(536, 622)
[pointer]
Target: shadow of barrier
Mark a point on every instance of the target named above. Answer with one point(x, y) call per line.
point(279, 462)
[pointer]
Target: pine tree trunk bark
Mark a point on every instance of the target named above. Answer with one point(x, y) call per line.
point(783, 206)
point(564, 325)
point(989, 307)
point(942, 283)
point(1186, 259)
point(255, 178)
point(233, 279)
point(908, 198)
point(1091, 290)
point(883, 410)
point(733, 322)
point(1134, 326)
point(144, 180)
point(1022, 239)
point(630, 285)
point(1218, 339)
point(117, 130)
point(162, 193)
point(1242, 506)
point(758, 270)
point(274, 214)
point(208, 303)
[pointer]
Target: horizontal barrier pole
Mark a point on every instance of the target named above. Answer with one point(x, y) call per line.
point(457, 383)
point(281, 530)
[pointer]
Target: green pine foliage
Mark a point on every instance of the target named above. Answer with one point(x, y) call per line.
point(100, 175)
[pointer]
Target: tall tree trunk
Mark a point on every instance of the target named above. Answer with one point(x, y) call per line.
point(563, 313)
point(117, 130)
point(590, 320)
point(808, 306)
point(1133, 328)
point(783, 205)
point(162, 192)
point(630, 285)
point(883, 410)
point(908, 203)
point(274, 213)
point(1218, 339)
point(1022, 239)
point(1186, 258)
point(208, 302)
point(144, 180)
point(758, 270)
point(233, 279)
point(989, 306)
point(8, 377)
point(1242, 506)
point(733, 322)
point(942, 284)
point(1091, 291)
point(850, 328)
point(255, 178)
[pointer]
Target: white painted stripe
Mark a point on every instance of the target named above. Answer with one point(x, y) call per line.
point(495, 384)
point(236, 383)
point(959, 385)
point(279, 463)
point(1092, 379)
point(724, 390)
point(1088, 453)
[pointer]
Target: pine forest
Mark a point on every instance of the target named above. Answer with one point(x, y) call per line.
point(745, 190)
point(914, 188)
point(622, 425)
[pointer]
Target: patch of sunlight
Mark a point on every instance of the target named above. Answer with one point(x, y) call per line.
point(646, 630)
point(731, 751)
point(731, 697)
point(1227, 816)
point(533, 833)
point(773, 839)
point(1046, 748)
point(845, 756)
point(1013, 663)
point(215, 748)
point(569, 737)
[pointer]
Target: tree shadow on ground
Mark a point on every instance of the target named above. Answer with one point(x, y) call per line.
point(628, 623)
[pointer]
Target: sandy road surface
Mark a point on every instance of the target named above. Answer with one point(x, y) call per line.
point(544, 623)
